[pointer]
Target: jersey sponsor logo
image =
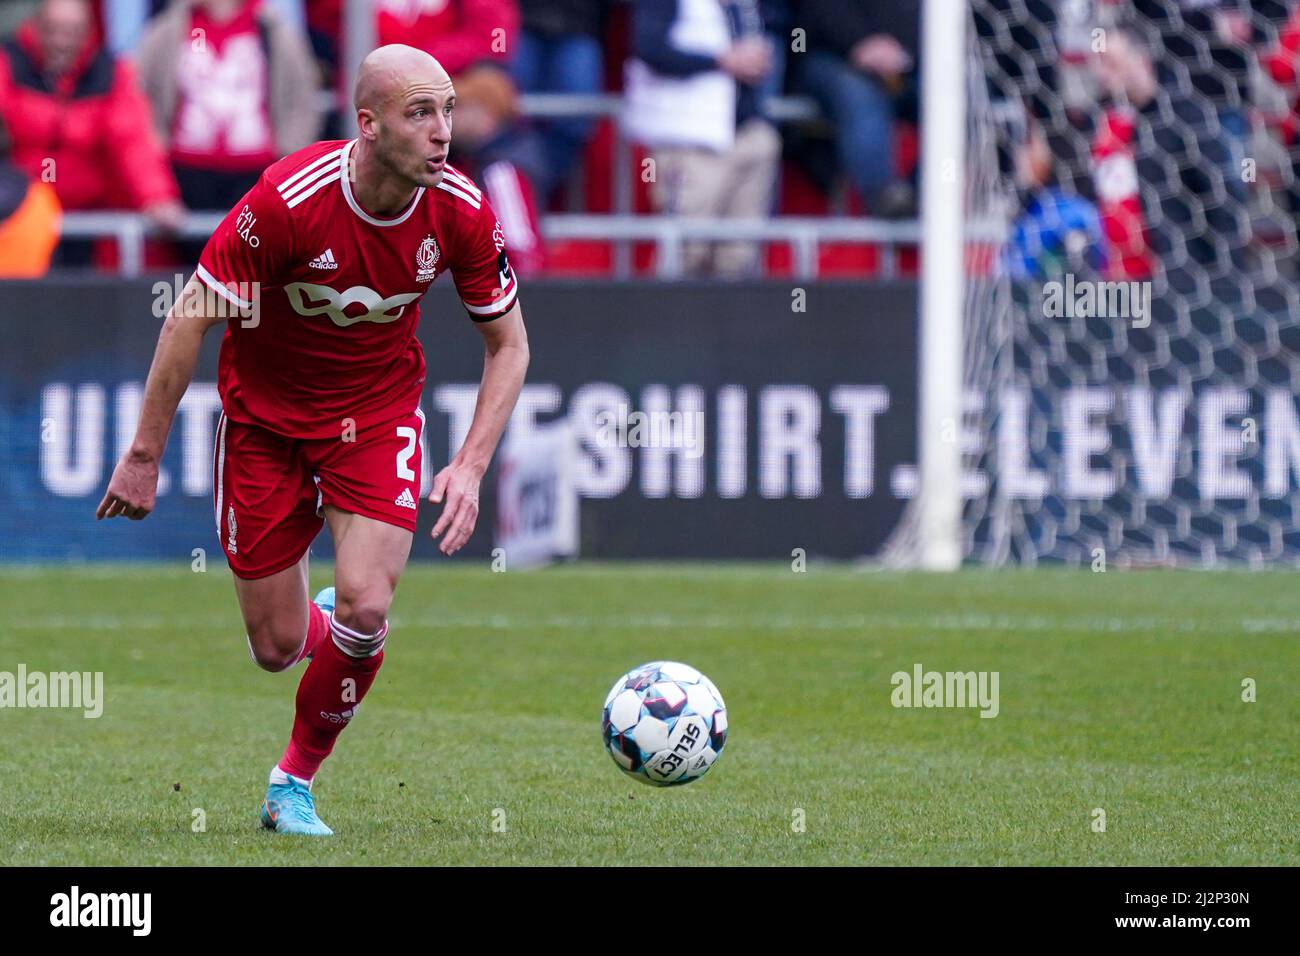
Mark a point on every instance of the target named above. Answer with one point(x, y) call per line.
point(244, 224)
point(325, 260)
point(426, 260)
point(498, 236)
point(307, 298)
point(405, 500)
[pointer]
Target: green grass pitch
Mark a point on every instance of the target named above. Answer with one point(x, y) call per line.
point(1120, 691)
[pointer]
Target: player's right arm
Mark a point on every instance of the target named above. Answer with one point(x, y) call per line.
point(248, 248)
point(134, 484)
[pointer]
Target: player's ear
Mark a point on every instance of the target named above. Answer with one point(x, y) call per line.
point(368, 124)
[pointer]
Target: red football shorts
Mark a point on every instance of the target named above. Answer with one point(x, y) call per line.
point(269, 491)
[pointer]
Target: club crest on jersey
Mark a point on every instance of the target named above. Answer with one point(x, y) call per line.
point(426, 260)
point(233, 528)
point(309, 299)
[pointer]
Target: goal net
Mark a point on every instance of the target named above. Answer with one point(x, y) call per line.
point(1131, 343)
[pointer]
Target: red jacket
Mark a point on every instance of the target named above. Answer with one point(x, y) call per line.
point(458, 33)
point(1119, 201)
point(1281, 65)
point(95, 126)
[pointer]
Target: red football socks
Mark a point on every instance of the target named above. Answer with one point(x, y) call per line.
point(342, 669)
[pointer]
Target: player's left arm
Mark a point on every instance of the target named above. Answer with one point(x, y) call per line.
point(505, 363)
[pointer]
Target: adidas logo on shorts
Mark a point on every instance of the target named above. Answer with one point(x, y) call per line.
point(324, 261)
point(405, 500)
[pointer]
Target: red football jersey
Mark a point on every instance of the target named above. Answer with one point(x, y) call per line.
point(331, 336)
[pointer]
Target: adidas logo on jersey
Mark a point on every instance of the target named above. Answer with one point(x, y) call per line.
point(324, 261)
point(405, 500)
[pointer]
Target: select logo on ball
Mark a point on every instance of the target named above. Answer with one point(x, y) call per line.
point(664, 723)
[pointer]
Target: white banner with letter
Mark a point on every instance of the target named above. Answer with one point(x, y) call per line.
point(537, 501)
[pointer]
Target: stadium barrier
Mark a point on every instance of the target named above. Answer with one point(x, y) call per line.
point(130, 229)
point(804, 234)
point(713, 420)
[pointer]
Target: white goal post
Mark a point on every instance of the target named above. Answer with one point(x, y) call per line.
point(943, 161)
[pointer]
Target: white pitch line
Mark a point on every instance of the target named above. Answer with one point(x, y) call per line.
point(865, 623)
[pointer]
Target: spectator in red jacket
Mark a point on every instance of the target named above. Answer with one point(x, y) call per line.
point(78, 119)
point(233, 88)
point(504, 155)
point(459, 33)
point(1283, 64)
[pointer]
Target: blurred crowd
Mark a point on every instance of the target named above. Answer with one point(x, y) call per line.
point(1135, 133)
point(1150, 138)
point(166, 107)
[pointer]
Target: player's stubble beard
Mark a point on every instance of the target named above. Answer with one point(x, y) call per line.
point(406, 166)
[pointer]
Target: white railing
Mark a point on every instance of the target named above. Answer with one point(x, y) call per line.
point(780, 109)
point(804, 234)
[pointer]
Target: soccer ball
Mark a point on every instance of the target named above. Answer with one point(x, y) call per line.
point(664, 723)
